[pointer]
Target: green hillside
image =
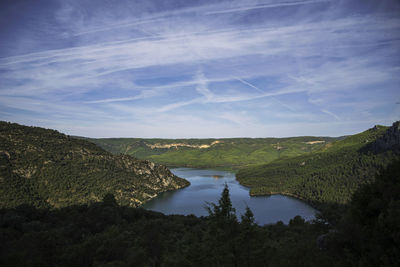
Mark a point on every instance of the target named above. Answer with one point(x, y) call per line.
point(330, 175)
point(230, 153)
point(46, 168)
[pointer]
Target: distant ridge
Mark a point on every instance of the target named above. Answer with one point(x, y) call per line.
point(225, 153)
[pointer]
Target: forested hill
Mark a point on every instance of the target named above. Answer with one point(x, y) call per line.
point(45, 168)
point(227, 153)
point(330, 175)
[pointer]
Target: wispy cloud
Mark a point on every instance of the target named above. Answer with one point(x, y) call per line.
point(135, 62)
point(142, 95)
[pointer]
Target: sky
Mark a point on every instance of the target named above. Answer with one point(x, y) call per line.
point(187, 69)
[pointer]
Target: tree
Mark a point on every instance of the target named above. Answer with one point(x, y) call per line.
point(247, 237)
point(370, 229)
point(109, 200)
point(223, 212)
point(222, 232)
point(248, 217)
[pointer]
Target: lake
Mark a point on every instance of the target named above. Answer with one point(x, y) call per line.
point(207, 185)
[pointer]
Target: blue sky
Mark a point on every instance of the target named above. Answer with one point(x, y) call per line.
point(178, 69)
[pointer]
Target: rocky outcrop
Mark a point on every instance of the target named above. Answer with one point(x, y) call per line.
point(155, 178)
point(176, 145)
point(389, 141)
point(315, 142)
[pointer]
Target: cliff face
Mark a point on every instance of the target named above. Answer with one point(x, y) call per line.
point(389, 141)
point(46, 168)
point(153, 179)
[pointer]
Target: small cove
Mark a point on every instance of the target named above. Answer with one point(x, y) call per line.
point(207, 185)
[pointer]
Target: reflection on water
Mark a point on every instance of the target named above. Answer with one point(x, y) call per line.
point(207, 185)
point(215, 176)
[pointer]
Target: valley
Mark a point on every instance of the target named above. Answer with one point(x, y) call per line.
point(86, 205)
point(206, 186)
point(57, 170)
point(319, 170)
point(176, 133)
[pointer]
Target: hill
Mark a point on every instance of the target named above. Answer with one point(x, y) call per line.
point(225, 153)
point(330, 175)
point(48, 169)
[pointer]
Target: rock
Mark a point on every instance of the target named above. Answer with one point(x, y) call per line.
point(389, 141)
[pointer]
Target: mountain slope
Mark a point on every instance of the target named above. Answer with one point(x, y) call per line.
point(227, 153)
point(46, 168)
point(330, 175)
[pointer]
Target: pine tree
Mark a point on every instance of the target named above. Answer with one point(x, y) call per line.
point(248, 217)
point(223, 230)
point(223, 212)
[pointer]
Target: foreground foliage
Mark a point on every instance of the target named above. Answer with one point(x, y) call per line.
point(106, 234)
point(369, 232)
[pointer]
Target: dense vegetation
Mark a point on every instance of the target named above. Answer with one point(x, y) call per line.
point(106, 234)
point(330, 175)
point(215, 153)
point(369, 232)
point(45, 168)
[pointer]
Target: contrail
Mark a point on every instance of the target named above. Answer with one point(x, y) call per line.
point(249, 84)
point(261, 91)
point(330, 113)
point(245, 8)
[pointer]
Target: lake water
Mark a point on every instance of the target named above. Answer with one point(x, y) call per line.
point(207, 185)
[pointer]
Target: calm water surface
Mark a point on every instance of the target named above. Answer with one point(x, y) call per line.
point(207, 185)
